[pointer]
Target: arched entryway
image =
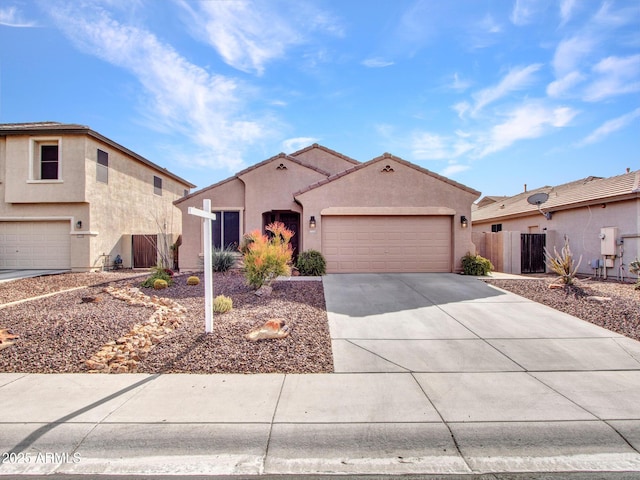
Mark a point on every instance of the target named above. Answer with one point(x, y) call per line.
point(291, 220)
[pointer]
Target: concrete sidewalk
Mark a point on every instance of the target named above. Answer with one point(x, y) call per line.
point(434, 374)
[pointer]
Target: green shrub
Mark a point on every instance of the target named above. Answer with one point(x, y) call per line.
point(476, 265)
point(222, 304)
point(158, 273)
point(159, 284)
point(267, 257)
point(311, 263)
point(193, 281)
point(222, 259)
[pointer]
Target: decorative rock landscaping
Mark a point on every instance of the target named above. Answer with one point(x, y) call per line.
point(124, 354)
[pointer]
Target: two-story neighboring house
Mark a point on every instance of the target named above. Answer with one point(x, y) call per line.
point(73, 199)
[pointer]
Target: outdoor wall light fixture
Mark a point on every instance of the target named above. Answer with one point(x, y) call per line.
point(312, 223)
point(464, 222)
point(79, 224)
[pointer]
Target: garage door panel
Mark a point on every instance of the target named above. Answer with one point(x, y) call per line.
point(387, 243)
point(35, 245)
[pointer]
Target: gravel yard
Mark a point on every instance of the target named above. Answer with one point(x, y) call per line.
point(58, 333)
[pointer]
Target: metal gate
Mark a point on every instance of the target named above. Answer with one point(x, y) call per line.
point(145, 251)
point(532, 252)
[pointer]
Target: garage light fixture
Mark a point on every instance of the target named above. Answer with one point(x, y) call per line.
point(312, 223)
point(464, 222)
point(79, 224)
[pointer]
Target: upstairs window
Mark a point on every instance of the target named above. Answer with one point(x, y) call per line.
point(45, 159)
point(102, 167)
point(496, 227)
point(157, 185)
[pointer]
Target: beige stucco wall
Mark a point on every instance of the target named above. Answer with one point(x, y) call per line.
point(227, 195)
point(582, 225)
point(403, 188)
point(324, 160)
point(21, 188)
point(109, 213)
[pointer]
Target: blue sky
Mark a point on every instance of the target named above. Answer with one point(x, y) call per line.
point(491, 93)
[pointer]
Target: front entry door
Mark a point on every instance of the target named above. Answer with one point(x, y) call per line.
point(291, 220)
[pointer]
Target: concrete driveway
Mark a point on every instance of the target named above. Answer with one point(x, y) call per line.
point(513, 380)
point(7, 275)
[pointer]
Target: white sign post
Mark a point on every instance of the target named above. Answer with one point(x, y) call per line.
point(207, 216)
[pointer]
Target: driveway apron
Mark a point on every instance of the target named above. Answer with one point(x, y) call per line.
point(512, 379)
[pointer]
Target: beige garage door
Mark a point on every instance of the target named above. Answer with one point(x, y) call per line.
point(354, 244)
point(35, 245)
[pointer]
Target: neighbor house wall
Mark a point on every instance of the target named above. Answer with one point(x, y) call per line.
point(582, 226)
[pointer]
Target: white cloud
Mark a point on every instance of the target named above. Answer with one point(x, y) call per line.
point(610, 126)
point(615, 76)
point(461, 108)
point(522, 12)
point(560, 87)
point(249, 35)
point(571, 52)
point(432, 146)
point(516, 79)
point(178, 96)
point(376, 63)
point(566, 10)
point(11, 17)
point(454, 168)
point(458, 84)
point(530, 120)
point(294, 144)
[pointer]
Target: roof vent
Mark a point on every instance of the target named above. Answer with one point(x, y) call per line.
point(282, 166)
point(387, 168)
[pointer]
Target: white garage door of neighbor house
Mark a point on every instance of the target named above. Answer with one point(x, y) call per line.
point(35, 245)
point(371, 244)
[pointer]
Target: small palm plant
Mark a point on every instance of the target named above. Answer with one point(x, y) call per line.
point(562, 263)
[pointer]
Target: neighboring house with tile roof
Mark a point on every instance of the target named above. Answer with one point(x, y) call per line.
point(580, 210)
point(384, 215)
point(73, 199)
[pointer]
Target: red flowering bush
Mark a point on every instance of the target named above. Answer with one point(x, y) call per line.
point(267, 256)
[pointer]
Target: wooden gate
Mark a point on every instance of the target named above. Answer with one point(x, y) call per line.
point(532, 252)
point(145, 251)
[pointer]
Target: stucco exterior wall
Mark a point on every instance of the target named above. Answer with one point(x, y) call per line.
point(109, 212)
point(228, 195)
point(582, 225)
point(404, 187)
point(325, 160)
point(20, 185)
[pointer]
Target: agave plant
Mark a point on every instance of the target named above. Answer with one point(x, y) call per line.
point(562, 263)
point(634, 267)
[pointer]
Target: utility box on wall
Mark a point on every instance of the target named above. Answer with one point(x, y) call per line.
point(608, 236)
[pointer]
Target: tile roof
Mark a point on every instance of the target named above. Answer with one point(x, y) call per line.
point(328, 150)
point(586, 191)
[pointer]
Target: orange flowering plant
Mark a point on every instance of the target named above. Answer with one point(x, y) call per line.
point(267, 256)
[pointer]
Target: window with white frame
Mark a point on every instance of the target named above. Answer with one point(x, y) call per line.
point(45, 159)
point(102, 167)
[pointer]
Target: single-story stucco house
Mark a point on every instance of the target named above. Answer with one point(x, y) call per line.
point(73, 199)
point(600, 217)
point(384, 215)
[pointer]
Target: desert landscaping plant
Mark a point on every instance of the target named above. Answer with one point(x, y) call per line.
point(634, 267)
point(161, 273)
point(222, 304)
point(193, 280)
point(476, 265)
point(311, 263)
point(223, 259)
point(562, 263)
point(267, 257)
point(160, 284)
